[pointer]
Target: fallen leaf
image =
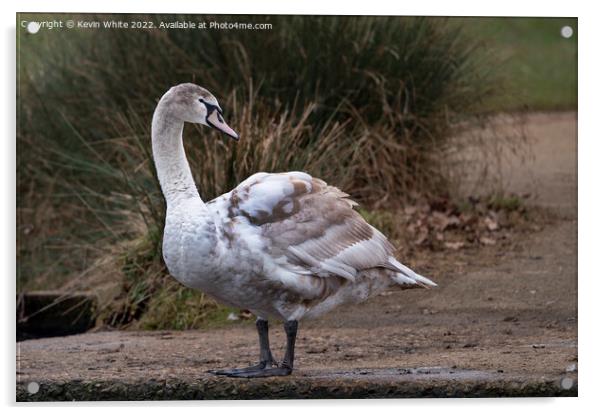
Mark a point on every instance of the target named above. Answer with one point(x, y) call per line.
point(410, 210)
point(486, 241)
point(439, 221)
point(454, 245)
point(491, 224)
point(453, 220)
point(245, 314)
point(422, 236)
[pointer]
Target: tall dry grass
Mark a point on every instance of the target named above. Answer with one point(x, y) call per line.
point(367, 103)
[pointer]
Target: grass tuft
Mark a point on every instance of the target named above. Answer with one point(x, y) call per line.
point(371, 111)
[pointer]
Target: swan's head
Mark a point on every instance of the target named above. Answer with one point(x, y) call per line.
point(194, 104)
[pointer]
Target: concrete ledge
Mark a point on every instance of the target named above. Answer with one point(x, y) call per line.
point(359, 384)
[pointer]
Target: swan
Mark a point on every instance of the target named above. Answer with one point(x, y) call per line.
point(285, 246)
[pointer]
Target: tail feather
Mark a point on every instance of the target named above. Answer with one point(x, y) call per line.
point(405, 276)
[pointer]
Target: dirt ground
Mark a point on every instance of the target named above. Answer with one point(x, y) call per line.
point(503, 322)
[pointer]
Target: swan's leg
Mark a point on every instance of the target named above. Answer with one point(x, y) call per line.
point(290, 327)
point(286, 368)
point(265, 354)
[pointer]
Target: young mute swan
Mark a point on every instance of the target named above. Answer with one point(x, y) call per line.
point(284, 246)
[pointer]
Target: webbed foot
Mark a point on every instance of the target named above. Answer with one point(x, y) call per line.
point(263, 373)
point(240, 370)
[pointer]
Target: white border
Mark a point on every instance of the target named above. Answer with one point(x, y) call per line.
point(372, 7)
point(590, 201)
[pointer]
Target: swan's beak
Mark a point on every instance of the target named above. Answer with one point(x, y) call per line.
point(216, 120)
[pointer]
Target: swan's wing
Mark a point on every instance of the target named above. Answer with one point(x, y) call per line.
point(311, 224)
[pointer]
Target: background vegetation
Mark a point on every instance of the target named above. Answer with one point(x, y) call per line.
point(370, 104)
point(540, 65)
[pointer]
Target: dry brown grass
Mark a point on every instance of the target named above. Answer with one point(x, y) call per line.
point(372, 112)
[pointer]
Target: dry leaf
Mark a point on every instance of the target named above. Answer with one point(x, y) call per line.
point(453, 220)
point(491, 224)
point(486, 241)
point(410, 210)
point(422, 236)
point(454, 245)
point(245, 314)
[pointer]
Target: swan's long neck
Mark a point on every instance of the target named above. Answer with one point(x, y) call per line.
point(190, 240)
point(172, 167)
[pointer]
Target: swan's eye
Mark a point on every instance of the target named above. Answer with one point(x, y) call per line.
point(210, 107)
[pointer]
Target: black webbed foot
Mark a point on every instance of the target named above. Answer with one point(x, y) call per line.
point(234, 371)
point(267, 367)
point(263, 373)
